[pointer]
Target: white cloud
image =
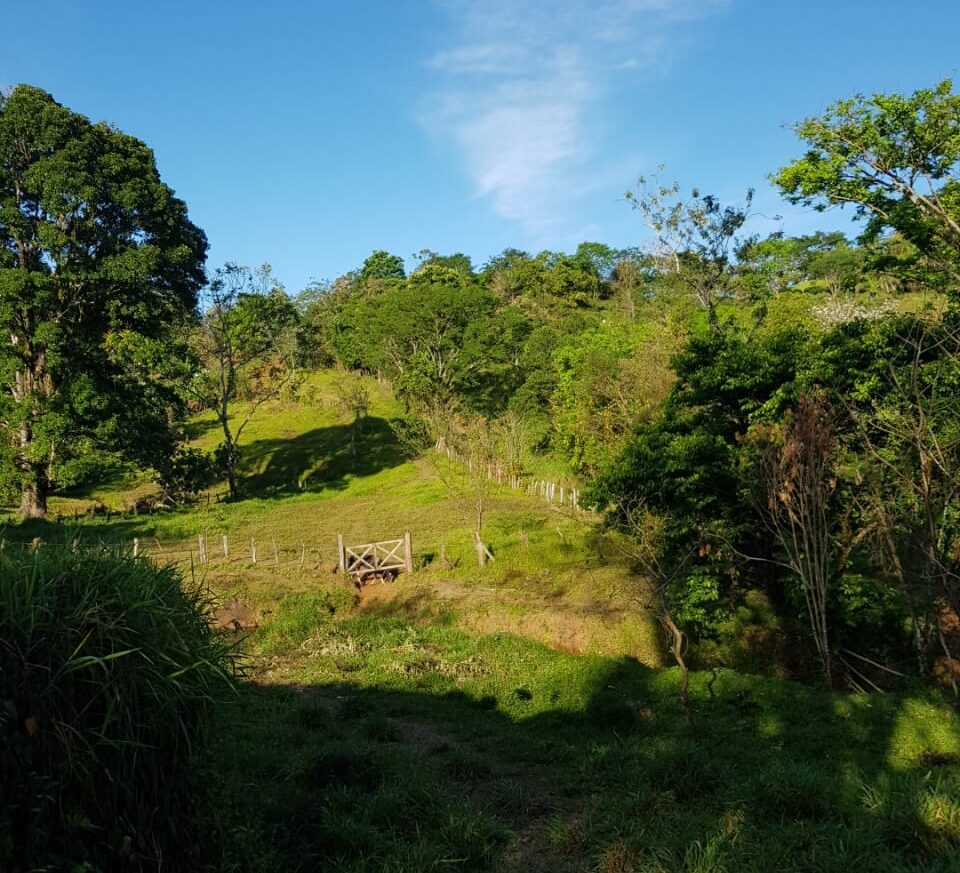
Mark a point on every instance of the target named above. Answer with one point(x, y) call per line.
point(517, 83)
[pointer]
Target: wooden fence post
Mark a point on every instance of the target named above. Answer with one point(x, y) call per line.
point(276, 555)
point(408, 548)
point(226, 547)
point(253, 549)
point(341, 555)
point(136, 547)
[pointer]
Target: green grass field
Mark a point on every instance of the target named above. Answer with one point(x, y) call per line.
point(304, 487)
point(367, 744)
point(518, 718)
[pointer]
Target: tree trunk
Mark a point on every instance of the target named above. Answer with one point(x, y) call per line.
point(230, 456)
point(32, 383)
point(33, 496)
point(481, 551)
point(232, 478)
point(677, 646)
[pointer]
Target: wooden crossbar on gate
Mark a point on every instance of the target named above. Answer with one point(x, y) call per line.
point(383, 558)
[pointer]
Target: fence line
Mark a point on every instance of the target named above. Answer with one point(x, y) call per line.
point(187, 550)
point(196, 551)
point(550, 491)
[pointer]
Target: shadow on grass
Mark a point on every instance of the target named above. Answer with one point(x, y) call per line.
point(321, 459)
point(467, 771)
point(197, 428)
point(118, 532)
point(117, 477)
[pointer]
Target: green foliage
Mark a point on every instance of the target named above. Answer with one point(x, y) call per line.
point(609, 378)
point(895, 159)
point(696, 601)
point(99, 272)
point(320, 306)
point(871, 613)
point(108, 674)
point(416, 334)
point(822, 261)
point(550, 281)
point(751, 638)
point(382, 267)
point(412, 435)
point(247, 342)
point(458, 262)
point(188, 472)
point(904, 384)
point(493, 359)
point(683, 462)
point(697, 240)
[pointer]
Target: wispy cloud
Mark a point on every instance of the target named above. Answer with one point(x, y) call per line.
point(518, 80)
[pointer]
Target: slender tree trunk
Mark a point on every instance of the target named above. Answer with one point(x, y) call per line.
point(712, 319)
point(230, 458)
point(949, 659)
point(677, 646)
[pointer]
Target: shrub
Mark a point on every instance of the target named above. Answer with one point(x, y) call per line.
point(749, 641)
point(188, 472)
point(108, 672)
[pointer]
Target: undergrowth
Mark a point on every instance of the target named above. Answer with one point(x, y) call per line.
point(109, 673)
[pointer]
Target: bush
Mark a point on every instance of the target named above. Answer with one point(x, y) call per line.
point(750, 640)
point(188, 472)
point(108, 672)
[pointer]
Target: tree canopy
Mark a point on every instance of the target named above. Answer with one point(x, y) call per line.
point(895, 158)
point(99, 262)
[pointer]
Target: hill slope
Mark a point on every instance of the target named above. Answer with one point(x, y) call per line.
point(306, 485)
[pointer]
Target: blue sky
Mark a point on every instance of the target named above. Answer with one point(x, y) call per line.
point(307, 135)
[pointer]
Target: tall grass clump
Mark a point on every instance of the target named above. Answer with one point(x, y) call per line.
point(109, 670)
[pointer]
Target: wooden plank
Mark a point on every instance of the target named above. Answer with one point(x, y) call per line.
point(383, 556)
point(390, 550)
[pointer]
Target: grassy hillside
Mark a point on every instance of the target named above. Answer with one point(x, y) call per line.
point(305, 486)
point(423, 725)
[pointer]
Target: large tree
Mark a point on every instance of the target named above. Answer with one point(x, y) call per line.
point(895, 159)
point(98, 261)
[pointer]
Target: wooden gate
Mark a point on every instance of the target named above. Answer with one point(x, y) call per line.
point(380, 561)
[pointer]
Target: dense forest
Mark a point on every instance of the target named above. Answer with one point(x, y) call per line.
point(767, 426)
